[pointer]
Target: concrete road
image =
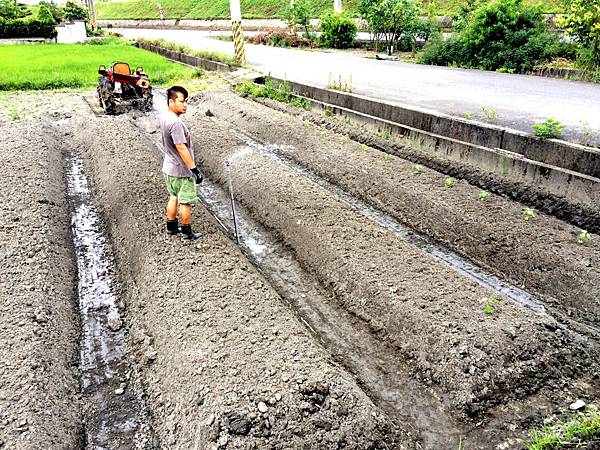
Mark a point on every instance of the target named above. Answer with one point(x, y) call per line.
point(515, 101)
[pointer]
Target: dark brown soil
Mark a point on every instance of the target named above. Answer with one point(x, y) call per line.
point(222, 360)
point(39, 391)
point(542, 254)
point(432, 315)
point(212, 339)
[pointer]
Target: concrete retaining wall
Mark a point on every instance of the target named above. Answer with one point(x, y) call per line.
point(573, 157)
point(577, 188)
point(194, 61)
point(185, 24)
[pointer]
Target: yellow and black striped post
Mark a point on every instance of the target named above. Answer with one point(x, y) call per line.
point(238, 35)
point(238, 41)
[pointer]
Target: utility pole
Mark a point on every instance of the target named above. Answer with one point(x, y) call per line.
point(238, 35)
point(337, 6)
point(90, 4)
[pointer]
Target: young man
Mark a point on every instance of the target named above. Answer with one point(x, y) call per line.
point(179, 165)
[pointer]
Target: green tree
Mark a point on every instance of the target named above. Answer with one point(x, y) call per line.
point(582, 21)
point(10, 9)
point(45, 15)
point(74, 11)
point(394, 21)
point(298, 15)
point(56, 11)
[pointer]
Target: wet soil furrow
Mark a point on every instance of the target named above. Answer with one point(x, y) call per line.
point(460, 265)
point(225, 363)
point(350, 342)
point(492, 233)
point(433, 317)
point(481, 276)
point(39, 393)
point(114, 415)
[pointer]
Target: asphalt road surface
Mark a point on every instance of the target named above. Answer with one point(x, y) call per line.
point(514, 101)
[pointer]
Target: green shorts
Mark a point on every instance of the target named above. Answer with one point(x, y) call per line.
point(184, 188)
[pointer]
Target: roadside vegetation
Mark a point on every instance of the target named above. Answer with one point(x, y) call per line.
point(252, 9)
point(56, 66)
point(273, 90)
point(513, 36)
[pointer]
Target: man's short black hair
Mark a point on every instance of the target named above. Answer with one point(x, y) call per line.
point(174, 90)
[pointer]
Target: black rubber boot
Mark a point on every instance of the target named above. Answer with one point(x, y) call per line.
point(172, 227)
point(188, 235)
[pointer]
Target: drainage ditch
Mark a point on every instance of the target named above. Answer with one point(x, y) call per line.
point(114, 416)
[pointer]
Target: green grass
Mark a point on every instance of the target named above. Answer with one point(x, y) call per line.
point(57, 66)
point(451, 7)
point(208, 9)
point(580, 429)
point(252, 9)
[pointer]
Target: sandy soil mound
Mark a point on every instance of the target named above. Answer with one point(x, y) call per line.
point(38, 334)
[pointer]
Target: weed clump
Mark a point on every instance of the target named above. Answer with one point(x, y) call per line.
point(550, 129)
point(342, 85)
point(580, 429)
point(417, 169)
point(271, 89)
point(584, 237)
point(528, 214)
point(490, 304)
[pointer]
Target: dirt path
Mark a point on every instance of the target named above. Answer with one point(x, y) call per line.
point(39, 390)
point(493, 232)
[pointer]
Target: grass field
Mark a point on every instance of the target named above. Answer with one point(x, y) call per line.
point(54, 66)
point(218, 9)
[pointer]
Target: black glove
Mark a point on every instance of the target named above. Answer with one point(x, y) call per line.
point(197, 174)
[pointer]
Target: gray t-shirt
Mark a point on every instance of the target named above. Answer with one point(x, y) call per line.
point(174, 132)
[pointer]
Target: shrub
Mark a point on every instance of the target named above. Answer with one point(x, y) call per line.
point(45, 15)
point(10, 9)
point(506, 33)
point(338, 30)
point(56, 11)
point(278, 38)
point(25, 28)
point(397, 22)
point(440, 52)
point(503, 34)
point(74, 11)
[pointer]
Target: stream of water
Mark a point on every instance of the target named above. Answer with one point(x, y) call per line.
point(112, 410)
